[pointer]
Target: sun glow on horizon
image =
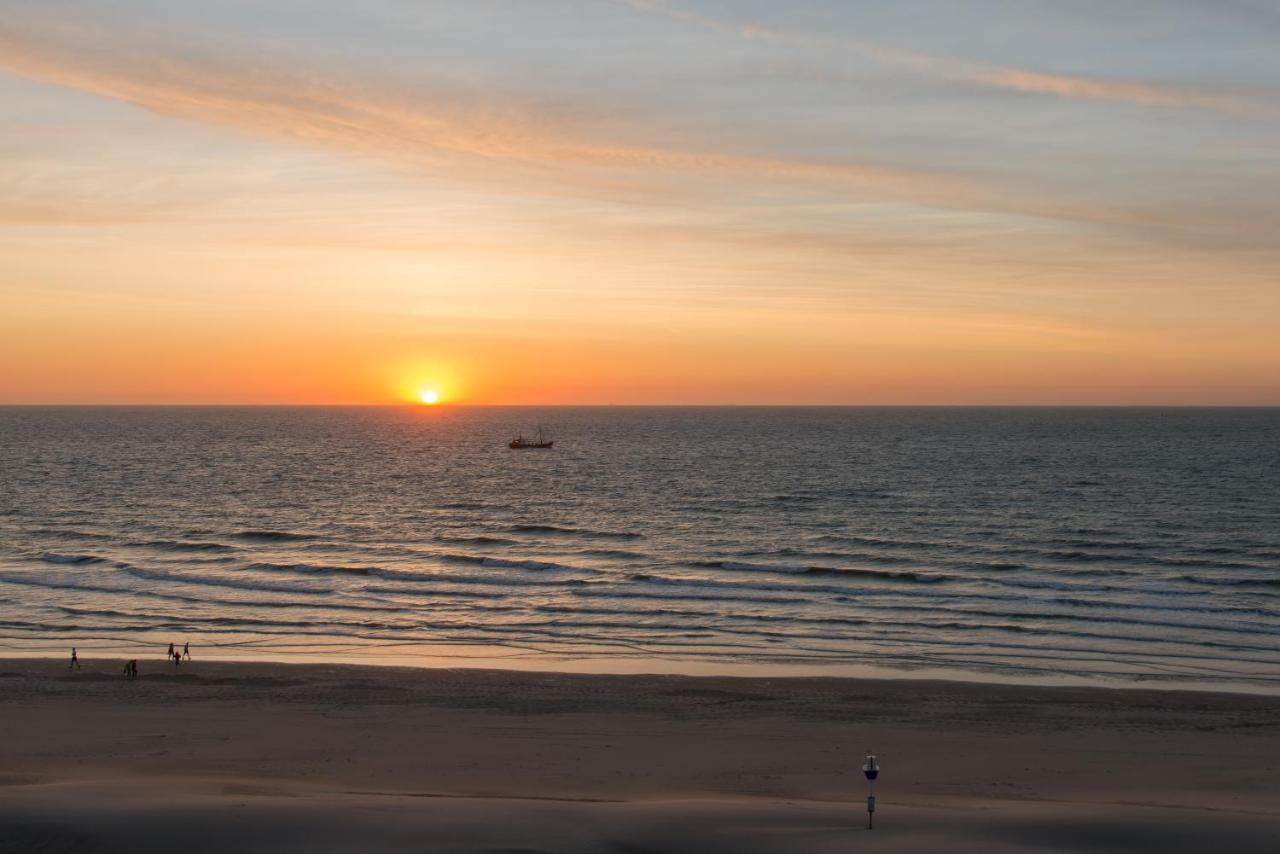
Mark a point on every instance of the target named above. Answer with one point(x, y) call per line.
point(429, 397)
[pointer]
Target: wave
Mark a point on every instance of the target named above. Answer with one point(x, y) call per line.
point(1132, 545)
point(832, 571)
point(1145, 560)
point(960, 604)
point(1108, 572)
point(77, 585)
point(183, 545)
point(539, 565)
point(863, 557)
point(1070, 587)
point(814, 592)
point(1265, 583)
point(54, 557)
point(307, 568)
point(70, 533)
point(694, 595)
point(614, 554)
point(435, 583)
point(879, 542)
point(273, 536)
point(55, 581)
point(938, 552)
point(920, 617)
point(735, 589)
point(406, 575)
point(191, 578)
point(579, 532)
point(506, 563)
point(997, 566)
point(921, 577)
point(436, 593)
point(882, 629)
point(479, 540)
point(1111, 604)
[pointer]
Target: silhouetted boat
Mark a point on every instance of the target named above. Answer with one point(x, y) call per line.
point(519, 443)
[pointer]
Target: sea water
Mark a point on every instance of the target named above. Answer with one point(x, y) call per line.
point(1103, 545)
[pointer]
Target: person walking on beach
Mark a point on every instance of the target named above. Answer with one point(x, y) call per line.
point(171, 650)
point(131, 669)
point(186, 651)
point(75, 660)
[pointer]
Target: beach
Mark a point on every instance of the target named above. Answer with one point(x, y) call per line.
point(260, 756)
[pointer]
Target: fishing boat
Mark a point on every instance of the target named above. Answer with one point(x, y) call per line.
point(519, 443)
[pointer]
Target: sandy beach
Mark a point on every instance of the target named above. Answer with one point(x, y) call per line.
point(273, 757)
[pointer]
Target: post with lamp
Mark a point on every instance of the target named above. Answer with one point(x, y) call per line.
point(872, 770)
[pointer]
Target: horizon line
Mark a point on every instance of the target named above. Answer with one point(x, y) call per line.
point(411, 405)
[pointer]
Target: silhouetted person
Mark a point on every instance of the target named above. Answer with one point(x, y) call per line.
point(131, 669)
point(171, 650)
point(186, 651)
point(75, 660)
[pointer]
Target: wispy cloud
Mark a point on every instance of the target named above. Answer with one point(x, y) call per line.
point(1006, 78)
point(452, 130)
point(459, 133)
point(747, 29)
point(1070, 86)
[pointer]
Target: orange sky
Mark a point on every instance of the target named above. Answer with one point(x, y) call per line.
point(815, 205)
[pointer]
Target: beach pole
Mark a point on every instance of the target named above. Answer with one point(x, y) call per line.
point(872, 770)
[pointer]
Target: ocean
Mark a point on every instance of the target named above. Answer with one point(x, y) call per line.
point(1099, 546)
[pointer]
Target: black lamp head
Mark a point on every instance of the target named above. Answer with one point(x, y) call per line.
point(871, 768)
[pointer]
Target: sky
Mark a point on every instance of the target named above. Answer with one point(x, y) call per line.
point(635, 202)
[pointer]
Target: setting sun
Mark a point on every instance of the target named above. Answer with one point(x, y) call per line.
point(429, 396)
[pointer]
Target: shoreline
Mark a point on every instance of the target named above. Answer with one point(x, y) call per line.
point(734, 763)
point(100, 669)
point(416, 656)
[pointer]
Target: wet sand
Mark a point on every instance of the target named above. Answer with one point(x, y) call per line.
point(274, 757)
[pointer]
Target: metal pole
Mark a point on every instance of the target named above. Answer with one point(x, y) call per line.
point(871, 770)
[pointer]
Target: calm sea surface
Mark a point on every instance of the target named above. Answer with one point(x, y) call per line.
point(1100, 544)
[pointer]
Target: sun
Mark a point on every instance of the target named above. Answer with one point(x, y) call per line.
point(429, 396)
